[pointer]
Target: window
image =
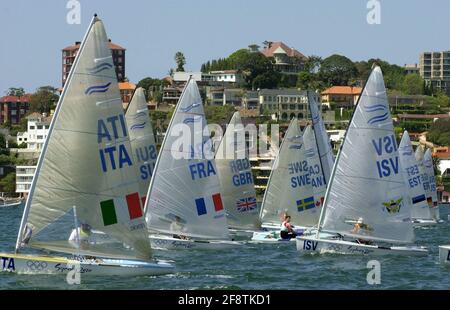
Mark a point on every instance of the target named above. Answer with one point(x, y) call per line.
point(13, 112)
point(31, 127)
point(47, 126)
point(39, 126)
point(39, 137)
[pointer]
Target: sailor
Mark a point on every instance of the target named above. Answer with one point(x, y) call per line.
point(177, 226)
point(357, 227)
point(287, 230)
point(82, 234)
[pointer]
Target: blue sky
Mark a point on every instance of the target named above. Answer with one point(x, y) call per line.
point(32, 33)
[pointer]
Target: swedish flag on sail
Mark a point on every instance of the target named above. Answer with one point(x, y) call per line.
point(305, 204)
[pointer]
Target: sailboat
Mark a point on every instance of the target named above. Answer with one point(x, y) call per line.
point(184, 207)
point(322, 139)
point(142, 140)
point(289, 189)
point(429, 170)
point(236, 178)
point(420, 212)
point(419, 155)
point(365, 204)
point(86, 166)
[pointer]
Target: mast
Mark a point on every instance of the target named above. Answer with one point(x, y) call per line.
point(52, 124)
point(317, 146)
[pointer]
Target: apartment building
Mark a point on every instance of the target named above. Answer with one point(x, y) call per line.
point(434, 68)
point(14, 108)
point(69, 53)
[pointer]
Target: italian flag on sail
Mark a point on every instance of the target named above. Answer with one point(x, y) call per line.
point(122, 209)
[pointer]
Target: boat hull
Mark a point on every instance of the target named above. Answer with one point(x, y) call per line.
point(321, 246)
point(444, 254)
point(160, 242)
point(33, 264)
point(424, 222)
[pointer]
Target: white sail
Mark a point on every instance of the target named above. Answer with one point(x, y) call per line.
point(429, 169)
point(322, 138)
point(367, 185)
point(315, 168)
point(142, 140)
point(413, 179)
point(419, 154)
point(236, 179)
point(184, 196)
point(289, 189)
point(87, 159)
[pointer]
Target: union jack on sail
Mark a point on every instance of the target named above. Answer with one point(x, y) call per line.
point(246, 204)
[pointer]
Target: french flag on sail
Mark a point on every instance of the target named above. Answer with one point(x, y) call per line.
point(201, 204)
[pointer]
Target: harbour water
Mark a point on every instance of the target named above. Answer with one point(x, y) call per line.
point(256, 266)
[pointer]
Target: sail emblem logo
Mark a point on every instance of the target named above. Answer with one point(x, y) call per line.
point(246, 204)
point(393, 206)
point(138, 126)
point(99, 68)
point(406, 150)
point(309, 153)
point(97, 89)
point(381, 111)
point(190, 107)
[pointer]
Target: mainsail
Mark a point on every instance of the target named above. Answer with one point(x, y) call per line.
point(289, 189)
point(142, 140)
point(419, 154)
point(236, 179)
point(413, 179)
point(315, 168)
point(429, 169)
point(323, 140)
point(86, 160)
point(184, 196)
point(367, 185)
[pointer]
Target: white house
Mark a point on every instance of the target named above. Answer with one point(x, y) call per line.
point(22, 137)
point(24, 177)
point(227, 76)
point(38, 127)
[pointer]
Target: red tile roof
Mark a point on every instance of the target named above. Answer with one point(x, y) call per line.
point(25, 98)
point(442, 152)
point(291, 52)
point(126, 85)
point(342, 90)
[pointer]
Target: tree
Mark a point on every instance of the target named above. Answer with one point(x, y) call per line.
point(313, 63)
point(8, 183)
point(15, 91)
point(439, 132)
point(44, 99)
point(413, 84)
point(181, 61)
point(337, 70)
point(151, 86)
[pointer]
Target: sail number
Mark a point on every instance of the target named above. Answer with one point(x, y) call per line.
point(414, 178)
point(386, 146)
point(241, 177)
point(8, 263)
point(108, 131)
